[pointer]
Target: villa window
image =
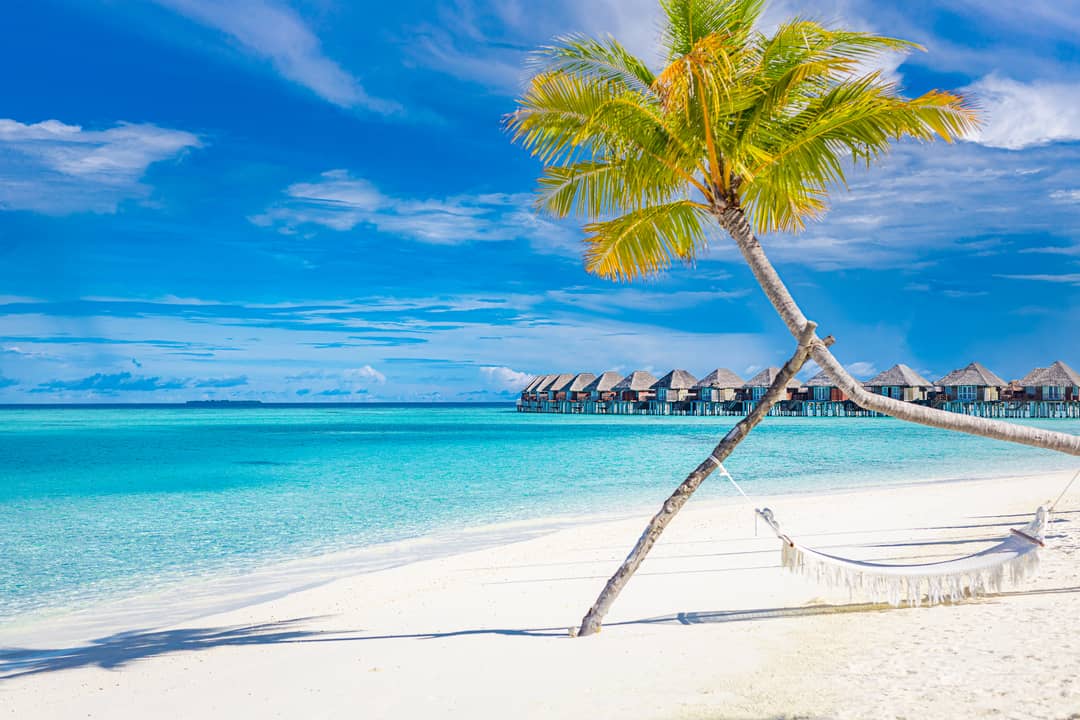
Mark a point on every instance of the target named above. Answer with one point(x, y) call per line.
point(822, 394)
point(967, 393)
point(1053, 392)
point(758, 393)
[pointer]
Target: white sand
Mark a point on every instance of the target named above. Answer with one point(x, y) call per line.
point(711, 627)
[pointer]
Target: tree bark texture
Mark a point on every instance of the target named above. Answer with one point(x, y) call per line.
point(590, 624)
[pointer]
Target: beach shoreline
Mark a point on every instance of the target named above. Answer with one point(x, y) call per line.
point(484, 632)
point(226, 589)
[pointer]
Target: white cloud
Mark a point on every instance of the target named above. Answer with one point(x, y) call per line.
point(505, 378)
point(1063, 279)
point(57, 168)
point(341, 202)
point(1071, 196)
point(862, 369)
point(1018, 115)
point(616, 299)
point(276, 34)
point(365, 374)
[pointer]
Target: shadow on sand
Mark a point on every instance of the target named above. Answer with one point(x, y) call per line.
point(116, 651)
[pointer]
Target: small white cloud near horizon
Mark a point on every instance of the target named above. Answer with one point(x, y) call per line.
point(56, 168)
point(505, 378)
point(275, 33)
point(1018, 115)
point(365, 374)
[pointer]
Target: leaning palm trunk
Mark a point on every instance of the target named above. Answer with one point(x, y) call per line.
point(590, 624)
point(731, 218)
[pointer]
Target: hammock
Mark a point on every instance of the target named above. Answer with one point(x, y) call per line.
point(1015, 558)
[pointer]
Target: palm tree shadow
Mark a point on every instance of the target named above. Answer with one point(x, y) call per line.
point(117, 650)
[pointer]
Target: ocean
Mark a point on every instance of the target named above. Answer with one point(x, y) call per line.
point(99, 502)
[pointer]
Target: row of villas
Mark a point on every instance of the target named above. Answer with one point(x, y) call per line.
point(1047, 392)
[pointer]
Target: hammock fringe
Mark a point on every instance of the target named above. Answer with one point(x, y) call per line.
point(1013, 561)
point(911, 590)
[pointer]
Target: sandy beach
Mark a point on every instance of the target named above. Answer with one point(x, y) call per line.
point(711, 627)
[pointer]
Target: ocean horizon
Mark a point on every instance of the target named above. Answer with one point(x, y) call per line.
point(98, 502)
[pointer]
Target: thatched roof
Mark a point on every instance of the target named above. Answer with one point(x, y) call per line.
point(822, 379)
point(1059, 374)
point(899, 376)
point(533, 383)
point(677, 380)
point(766, 377)
point(720, 378)
point(636, 381)
point(544, 383)
point(561, 383)
point(580, 382)
point(973, 374)
point(604, 383)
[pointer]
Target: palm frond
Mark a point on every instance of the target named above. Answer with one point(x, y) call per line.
point(646, 241)
point(688, 21)
point(603, 59)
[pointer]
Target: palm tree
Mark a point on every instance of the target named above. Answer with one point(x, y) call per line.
point(739, 132)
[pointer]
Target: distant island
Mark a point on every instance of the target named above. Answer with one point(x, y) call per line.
point(223, 403)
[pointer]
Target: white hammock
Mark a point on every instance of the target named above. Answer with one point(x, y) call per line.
point(1014, 558)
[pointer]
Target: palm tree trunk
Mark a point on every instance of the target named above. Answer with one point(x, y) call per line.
point(733, 220)
point(590, 624)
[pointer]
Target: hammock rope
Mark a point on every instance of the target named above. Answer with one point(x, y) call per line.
point(1014, 559)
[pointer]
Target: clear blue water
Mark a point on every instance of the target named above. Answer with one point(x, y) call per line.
point(99, 501)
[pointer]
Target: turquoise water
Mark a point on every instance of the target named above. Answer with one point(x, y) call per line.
point(100, 501)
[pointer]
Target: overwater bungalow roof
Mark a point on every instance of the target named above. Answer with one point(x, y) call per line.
point(607, 381)
point(636, 381)
point(561, 382)
point(899, 376)
point(973, 374)
point(547, 383)
point(822, 379)
point(534, 382)
point(766, 377)
point(720, 378)
point(580, 382)
point(677, 380)
point(1058, 374)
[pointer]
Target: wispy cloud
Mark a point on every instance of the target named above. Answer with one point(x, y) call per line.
point(111, 383)
point(341, 202)
point(56, 168)
point(1062, 279)
point(274, 33)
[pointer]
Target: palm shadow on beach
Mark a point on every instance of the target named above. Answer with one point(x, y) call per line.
point(118, 650)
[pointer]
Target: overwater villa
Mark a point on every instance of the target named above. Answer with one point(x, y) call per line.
point(574, 391)
point(900, 383)
point(970, 384)
point(1057, 383)
point(721, 385)
point(1045, 392)
point(636, 387)
point(822, 388)
point(676, 386)
point(756, 387)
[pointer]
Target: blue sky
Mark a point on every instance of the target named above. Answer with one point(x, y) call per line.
point(313, 200)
